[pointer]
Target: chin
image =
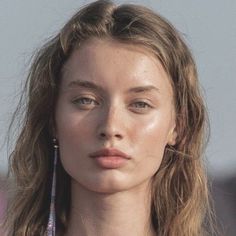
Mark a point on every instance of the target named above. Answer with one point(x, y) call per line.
point(106, 184)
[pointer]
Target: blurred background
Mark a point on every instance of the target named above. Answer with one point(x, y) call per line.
point(209, 28)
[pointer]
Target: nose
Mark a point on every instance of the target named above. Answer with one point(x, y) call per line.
point(111, 125)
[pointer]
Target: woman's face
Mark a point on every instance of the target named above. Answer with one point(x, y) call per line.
point(113, 96)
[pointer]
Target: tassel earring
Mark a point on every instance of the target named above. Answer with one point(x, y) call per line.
point(51, 227)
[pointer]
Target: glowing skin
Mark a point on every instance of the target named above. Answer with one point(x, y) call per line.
point(118, 114)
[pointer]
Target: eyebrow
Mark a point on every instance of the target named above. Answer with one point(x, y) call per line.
point(93, 86)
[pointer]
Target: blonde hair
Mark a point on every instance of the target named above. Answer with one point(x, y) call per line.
point(180, 200)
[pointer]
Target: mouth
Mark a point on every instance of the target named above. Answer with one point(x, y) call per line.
point(109, 152)
point(110, 158)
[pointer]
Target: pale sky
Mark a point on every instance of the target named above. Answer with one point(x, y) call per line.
point(210, 31)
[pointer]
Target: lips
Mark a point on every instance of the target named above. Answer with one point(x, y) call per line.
point(110, 158)
point(109, 152)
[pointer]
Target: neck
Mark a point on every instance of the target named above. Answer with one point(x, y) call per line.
point(104, 214)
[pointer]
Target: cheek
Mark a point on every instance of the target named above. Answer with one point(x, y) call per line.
point(69, 123)
point(73, 134)
point(72, 130)
point(152, 140)
point(73, 137)
point(154, 132)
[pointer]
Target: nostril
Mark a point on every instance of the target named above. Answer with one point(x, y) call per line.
point(105, 135)
point(118, 136)
point(102, 135)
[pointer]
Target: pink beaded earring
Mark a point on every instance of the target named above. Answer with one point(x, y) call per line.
point(51, 227)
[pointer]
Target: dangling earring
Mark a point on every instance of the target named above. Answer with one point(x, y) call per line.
point(51, 227)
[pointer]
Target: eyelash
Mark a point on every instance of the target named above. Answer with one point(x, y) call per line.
point(144, 105)
point(76, 101)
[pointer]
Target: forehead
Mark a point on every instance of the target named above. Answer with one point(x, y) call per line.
point(106, 60)
point(103, 48)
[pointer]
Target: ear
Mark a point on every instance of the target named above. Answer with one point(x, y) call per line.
point(172, 136)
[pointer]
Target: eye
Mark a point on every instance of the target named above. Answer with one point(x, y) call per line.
point(85, 102)
point(141, 105)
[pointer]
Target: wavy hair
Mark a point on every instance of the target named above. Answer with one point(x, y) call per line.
point(180, 199)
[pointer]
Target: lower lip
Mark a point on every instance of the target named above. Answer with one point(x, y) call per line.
point(111, 162)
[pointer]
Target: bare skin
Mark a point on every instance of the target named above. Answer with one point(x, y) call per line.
point(130, 109)
point(122, 213)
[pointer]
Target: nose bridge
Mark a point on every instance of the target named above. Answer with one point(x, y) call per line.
point(111, 122)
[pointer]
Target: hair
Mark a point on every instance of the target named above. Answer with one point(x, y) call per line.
point(180, 199)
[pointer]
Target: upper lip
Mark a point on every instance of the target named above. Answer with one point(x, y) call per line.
point(109, 152)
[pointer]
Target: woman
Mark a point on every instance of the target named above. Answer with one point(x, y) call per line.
point(113, 133)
